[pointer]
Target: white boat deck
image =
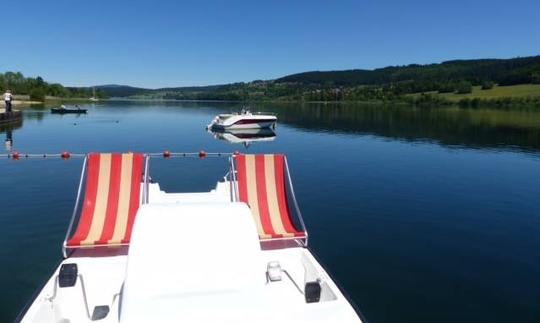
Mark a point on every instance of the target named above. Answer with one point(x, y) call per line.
point(193, 257)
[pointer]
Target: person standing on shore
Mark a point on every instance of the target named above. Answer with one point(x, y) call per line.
point(8, 97)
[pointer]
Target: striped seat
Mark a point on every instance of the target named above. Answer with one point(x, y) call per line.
point(112, 197)
point(261, 184)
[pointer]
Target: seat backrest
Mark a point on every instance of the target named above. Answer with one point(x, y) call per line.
point(112, 197)
point(261, 184)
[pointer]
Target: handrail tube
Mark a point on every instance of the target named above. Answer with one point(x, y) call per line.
point(83, 289)
point(234, 182)
point(77, 201)
point(295, 202)
point(145, 181)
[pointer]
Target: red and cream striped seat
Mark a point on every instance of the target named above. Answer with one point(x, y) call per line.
point(112, 198)
point(261, 184)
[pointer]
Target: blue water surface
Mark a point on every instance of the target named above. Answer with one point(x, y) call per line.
point(421, 215)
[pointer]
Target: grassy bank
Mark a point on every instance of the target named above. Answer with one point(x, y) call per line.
point(497, 92)
point(524, 95)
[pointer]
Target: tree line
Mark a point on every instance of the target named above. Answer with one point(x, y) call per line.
point(38, 89)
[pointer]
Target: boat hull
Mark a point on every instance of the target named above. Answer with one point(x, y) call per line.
point(65, 111)
point(251, 125)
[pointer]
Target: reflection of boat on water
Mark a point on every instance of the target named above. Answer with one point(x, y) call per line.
point(245, 136)
point(64, 110)
point(237, 253)
point(243, 120)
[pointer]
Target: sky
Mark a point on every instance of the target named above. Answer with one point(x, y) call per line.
point(182, 43)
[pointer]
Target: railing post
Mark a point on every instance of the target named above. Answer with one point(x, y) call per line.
point(145, 198)
point(294, 200)
point(234, 186)
point(83, 173)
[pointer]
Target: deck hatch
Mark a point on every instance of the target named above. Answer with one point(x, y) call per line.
point(68, 275)
point(312, 292)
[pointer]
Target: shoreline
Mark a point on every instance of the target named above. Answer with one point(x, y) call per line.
point(23, 102)
point(422, 100)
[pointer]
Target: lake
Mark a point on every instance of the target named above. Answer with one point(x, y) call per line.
point(420, 214)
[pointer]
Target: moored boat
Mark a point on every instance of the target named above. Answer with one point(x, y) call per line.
point(63, 110)
point(243, 120)
point(238, 253)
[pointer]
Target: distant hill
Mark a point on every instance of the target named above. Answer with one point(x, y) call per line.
point(388, 83)
point(115, 90)
point(502, 71)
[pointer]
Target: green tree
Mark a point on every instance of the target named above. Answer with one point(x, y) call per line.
point(464, 87)
point(37, 94)
point(447, 88)
point(535, 78)
point(487, 85)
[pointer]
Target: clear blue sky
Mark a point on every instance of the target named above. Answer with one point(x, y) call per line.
point(177, 43)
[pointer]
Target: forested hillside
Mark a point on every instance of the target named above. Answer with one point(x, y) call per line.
point(389, 83)
point(37, 88)
point(433, 76)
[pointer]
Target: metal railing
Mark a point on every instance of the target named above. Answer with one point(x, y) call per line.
point(146, 185)
point(75, 209)
point(300, 218)
point(234, 182)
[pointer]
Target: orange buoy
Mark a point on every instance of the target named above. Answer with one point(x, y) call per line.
point(15, 155)
point(65, 155)
point(202, 154)
point(166, 154)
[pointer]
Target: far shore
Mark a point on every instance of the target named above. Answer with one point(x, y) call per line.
point(22, 100)
point(474, 100)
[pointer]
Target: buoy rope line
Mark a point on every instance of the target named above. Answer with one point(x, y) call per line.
point(15, 155)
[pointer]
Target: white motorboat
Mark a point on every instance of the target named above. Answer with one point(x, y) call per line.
point(238, 253)
point(243, 120)
point(244, 136)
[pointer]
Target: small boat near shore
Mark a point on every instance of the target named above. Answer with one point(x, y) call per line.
point(243, 120)
point(237, 253)
point(64, 110)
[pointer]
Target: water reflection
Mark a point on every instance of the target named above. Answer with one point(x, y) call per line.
point(453, 126)
point(448, 126)
point(244, 136)
point(8, 130)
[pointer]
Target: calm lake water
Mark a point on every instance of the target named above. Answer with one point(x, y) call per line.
point(421, 215)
